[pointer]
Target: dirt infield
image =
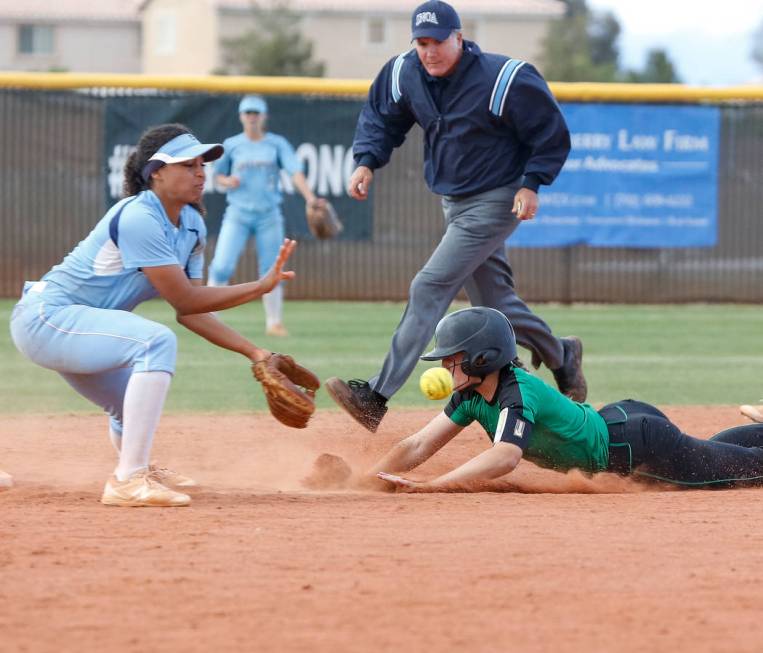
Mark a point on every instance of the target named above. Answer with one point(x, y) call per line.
point(260, 562)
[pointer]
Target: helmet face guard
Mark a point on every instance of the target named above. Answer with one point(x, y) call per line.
point(483, 334)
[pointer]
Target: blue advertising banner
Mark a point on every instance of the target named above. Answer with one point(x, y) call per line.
point(637, 176)
point(320, 130)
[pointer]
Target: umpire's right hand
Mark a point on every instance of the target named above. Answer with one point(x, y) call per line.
point(360, 182)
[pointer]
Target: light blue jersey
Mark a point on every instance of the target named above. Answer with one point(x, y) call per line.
point(104, 270)
point(76, 320)
point(257, 165)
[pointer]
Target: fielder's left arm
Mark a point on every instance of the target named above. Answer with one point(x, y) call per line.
point(209, 327)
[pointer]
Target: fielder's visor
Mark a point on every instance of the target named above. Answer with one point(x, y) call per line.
point(253, 103)
point(184, 147)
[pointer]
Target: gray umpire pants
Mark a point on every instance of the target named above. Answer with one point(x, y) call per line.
point(472, 255)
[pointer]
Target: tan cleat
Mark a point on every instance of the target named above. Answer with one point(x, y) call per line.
point(170, 477)
point(6, 480)
point(141, 490)
point(277, 330)
point(754, 413)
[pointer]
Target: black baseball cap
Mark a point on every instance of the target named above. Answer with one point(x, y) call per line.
point(435, 20)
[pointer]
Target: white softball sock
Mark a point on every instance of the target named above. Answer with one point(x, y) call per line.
point(273, 303)
point(116, 440)
point(143, 403)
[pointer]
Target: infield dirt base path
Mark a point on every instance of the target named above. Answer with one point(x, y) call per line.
point(260, 562)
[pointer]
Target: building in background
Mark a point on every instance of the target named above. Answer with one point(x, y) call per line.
point(185, 37)
point(70, 35)
point(353, 39)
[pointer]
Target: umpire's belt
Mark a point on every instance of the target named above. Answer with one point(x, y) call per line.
point(620, 452)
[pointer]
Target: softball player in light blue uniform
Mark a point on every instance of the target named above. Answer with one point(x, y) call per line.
point(250, 170)
point(76, 320)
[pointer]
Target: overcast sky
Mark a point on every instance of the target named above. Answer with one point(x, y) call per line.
point(709, 42)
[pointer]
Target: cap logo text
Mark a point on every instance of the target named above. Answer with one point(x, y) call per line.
point(426, 17)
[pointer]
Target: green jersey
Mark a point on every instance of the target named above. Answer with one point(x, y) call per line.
point(552, 430)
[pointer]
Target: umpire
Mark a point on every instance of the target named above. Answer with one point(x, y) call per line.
point(493, 133)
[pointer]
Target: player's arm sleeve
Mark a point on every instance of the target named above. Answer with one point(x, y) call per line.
point(287, 157)
point(513, 428)
point(518, 413)
point(194, 269)
point(534, 113)
point(223, 165)
point(383, 123)
point(142, 241)
point(457, 410)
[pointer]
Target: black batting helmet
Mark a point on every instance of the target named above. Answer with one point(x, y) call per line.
point(483, 334)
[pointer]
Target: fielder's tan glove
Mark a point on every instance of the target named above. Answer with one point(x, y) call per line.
point(289, 389)
point(322, 219)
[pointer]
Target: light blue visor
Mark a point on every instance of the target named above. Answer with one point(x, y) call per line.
point(186, 147)
point(252, 103)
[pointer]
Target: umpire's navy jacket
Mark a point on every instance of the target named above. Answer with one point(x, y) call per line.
point(492, 121)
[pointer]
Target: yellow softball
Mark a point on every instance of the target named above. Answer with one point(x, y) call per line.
point(436, 383)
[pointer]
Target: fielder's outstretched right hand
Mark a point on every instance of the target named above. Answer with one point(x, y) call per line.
point(276, 274)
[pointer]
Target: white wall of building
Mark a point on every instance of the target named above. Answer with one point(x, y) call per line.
point(77, 47)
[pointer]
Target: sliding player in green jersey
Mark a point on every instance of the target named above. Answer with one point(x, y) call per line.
point(526, 418)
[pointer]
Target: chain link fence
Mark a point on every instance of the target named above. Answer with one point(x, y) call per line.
point(53, 175)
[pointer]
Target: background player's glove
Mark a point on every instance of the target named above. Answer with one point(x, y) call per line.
point(289, 389)
point(322, 219)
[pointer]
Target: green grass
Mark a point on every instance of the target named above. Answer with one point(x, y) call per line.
point(696, 354)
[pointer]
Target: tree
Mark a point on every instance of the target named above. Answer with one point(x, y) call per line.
point(757, 45)
point(658, 69)
point(583, 47)
point(603, 33)
point(275, 46)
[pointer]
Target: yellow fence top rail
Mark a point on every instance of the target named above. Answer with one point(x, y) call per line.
point(591, 92)
point(564, 91)
point(200, 83)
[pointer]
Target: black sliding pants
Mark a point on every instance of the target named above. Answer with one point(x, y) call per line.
point(644, 442)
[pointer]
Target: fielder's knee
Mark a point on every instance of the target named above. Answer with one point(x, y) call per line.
point(160, 352)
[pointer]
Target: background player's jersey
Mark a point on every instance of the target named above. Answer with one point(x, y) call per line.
point(552, 430)
point(257, 165)
point(104, 270)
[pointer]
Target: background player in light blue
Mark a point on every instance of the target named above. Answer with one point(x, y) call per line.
point(77, 319)
point(250, 172)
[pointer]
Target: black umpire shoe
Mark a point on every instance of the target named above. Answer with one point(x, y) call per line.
point(365, 405)
point(569, 377)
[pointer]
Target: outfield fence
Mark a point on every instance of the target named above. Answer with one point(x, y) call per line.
point(55, 168)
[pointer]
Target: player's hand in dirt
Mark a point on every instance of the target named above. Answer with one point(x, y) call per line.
point(370, 482)
point(276, 274)
point(399, 481)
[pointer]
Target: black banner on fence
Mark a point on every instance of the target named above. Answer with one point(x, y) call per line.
point(320, 130)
